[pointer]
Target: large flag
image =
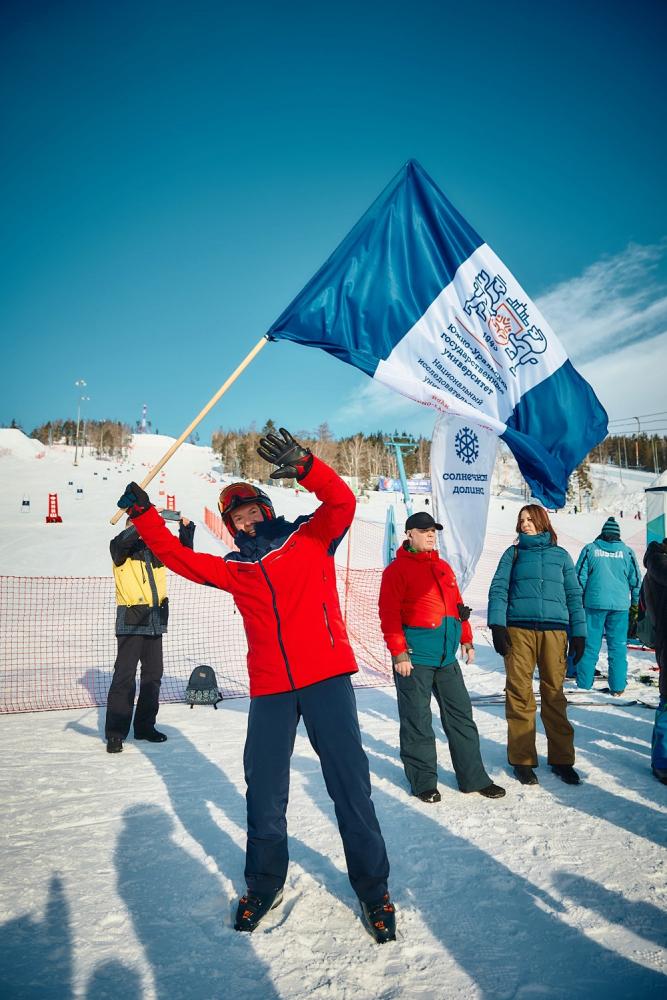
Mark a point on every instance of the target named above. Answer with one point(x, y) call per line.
point(462, 460)
point(416, 299)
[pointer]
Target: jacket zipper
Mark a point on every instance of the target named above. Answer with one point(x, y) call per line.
point(447, 616)
point(151, 581)
point(275, 611)
point(444, 644)
point(326, 620)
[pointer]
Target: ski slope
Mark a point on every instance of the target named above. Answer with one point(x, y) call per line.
point(121, 874)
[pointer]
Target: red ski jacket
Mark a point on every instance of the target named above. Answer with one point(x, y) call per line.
point(418, 590)
point(283, 582)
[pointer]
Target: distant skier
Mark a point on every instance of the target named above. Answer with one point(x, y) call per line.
point(283, 581)
point(655, 595)
point(609, 575)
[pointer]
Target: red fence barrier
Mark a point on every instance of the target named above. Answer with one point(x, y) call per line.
point(216, 526)
point(57, 642)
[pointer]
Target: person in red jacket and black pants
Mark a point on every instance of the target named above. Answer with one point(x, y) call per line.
point(424, 620)
point(283, 581)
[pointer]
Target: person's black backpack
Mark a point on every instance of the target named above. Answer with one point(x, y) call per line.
point(202, 687)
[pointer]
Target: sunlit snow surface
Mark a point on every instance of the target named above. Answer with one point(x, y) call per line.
point(120, 874)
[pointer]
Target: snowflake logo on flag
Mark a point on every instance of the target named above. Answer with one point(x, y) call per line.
point(466, 445)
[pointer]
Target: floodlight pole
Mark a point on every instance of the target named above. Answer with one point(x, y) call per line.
point(80, 384)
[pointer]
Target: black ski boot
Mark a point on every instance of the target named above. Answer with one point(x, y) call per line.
point(114, 744)
point(431, 795)
point(379, 919)
point(566, 773)
point(525, 774)
point(491, 791)
point(253, 907)
point(152, 735)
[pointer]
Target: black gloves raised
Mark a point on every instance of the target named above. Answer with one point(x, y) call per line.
point(577, 647)
point(293, 461)
point(134, 500)
point(501, 640)
point(464, 612)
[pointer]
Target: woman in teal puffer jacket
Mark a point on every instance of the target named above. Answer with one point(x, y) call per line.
point(534, 600)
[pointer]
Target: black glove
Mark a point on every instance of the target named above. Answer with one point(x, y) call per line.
point(293, 461)
point(134, 500)
point(577, 647)
point(501, 640)
point(464, 612)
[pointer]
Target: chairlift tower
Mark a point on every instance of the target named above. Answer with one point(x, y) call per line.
point(402, 445)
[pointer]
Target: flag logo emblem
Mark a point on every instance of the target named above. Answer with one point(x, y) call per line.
point(466, 444)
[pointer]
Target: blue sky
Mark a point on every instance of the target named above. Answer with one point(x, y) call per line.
point(172, 174)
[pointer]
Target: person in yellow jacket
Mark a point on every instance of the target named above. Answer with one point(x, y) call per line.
point(142, 611)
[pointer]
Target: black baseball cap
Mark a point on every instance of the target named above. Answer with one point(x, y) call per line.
point(421, 520)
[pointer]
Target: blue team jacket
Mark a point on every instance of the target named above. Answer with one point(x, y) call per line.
point(608, 575)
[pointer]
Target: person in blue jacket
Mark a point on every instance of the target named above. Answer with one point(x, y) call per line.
point(534, 599)
point(609, 575)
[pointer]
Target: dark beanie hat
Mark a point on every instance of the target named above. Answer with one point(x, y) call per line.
point(611, 530)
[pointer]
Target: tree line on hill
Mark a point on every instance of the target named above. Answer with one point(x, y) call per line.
point(364, 457)
point(108, 438)
point(647, 452)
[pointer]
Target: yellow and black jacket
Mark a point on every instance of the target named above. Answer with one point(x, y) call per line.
point(141, 583)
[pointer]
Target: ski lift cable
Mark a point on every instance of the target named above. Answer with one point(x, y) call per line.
point(639, 416)
point(627, 429)
point(653, 426)
point(654, 420)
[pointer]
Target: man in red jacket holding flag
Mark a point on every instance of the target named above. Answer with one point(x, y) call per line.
point(423, 620)
point(283, 581)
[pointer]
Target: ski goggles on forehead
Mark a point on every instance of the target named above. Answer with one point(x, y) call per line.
point(237, 494)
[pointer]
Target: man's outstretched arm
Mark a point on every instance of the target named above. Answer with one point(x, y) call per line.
point(200, 567)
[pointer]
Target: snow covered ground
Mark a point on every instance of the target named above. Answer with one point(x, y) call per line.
point(120, 874)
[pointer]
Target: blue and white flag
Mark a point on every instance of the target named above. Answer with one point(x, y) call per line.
point(462, 461)
point(416, 299)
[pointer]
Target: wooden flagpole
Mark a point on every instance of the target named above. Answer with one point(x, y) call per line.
point(189, 429)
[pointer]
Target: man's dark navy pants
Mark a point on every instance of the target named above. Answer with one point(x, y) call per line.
point(329, 712)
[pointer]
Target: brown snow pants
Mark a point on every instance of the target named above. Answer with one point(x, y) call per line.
point(549, 651)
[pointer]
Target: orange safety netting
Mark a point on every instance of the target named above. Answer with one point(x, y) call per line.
point(58, 646)
point(57, 641)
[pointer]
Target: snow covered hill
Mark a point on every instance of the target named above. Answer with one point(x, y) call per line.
point(120, 874)
point(87, 495)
